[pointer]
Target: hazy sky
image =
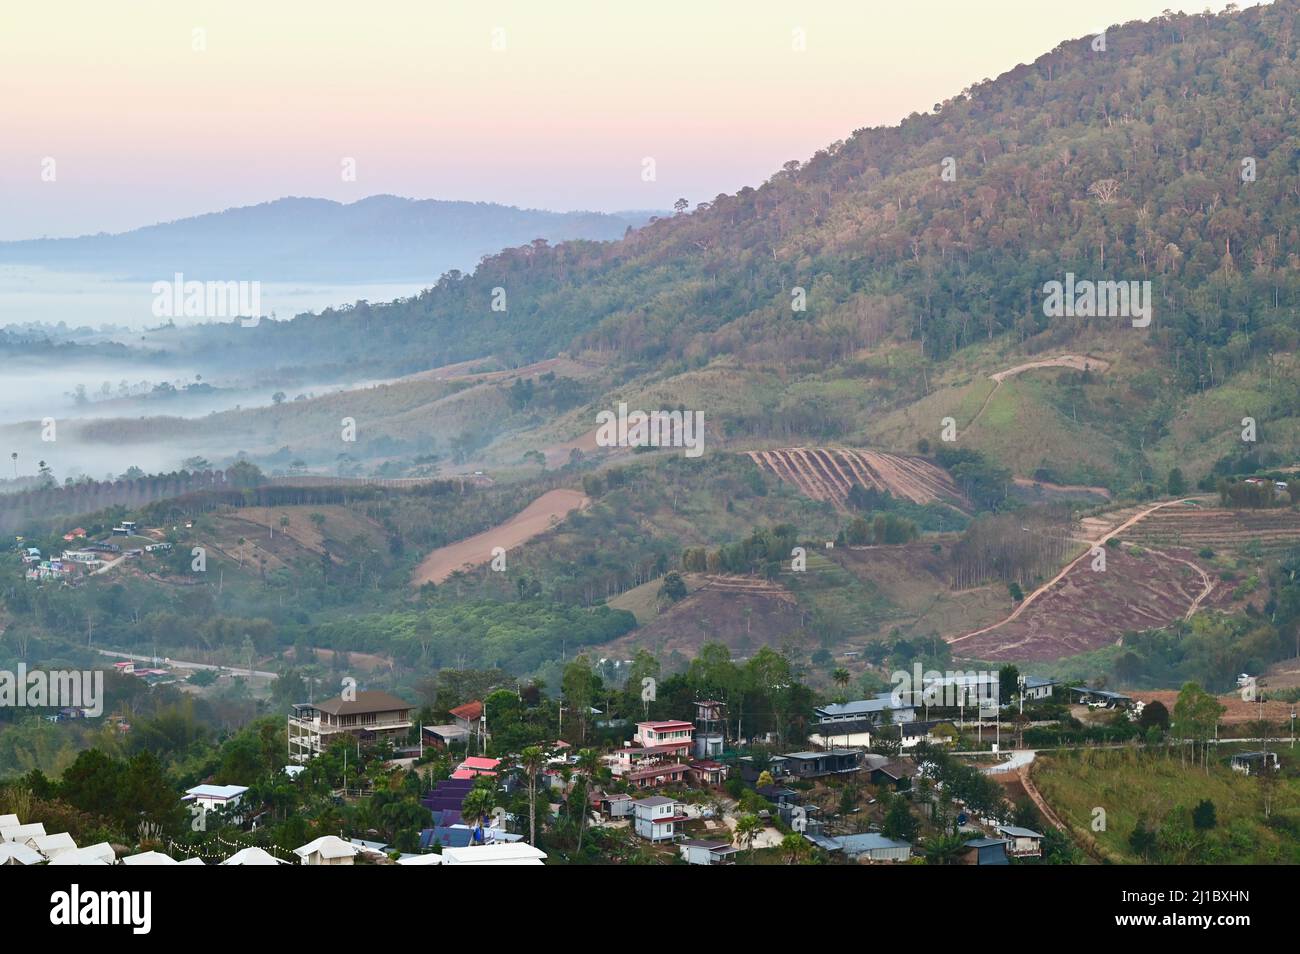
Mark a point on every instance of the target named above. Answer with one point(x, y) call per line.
point(144, 127)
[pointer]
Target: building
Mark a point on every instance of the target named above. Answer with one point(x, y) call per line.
point(1249, 763)
point(371, 717)
point(776, 766)
point(710, 728)
point(470, 718)
point(707, 773)
point(656, 774)
point(672, 735)
point(818, 764)
point(873, 846)
point(215, 797)
point(985, 851)
point(1022, 842)
point(1101, 698)
point(327, 850)
point(847, 733)
point(441, 736)
point(514, 853)
point(871, 710)
point(897, 775)
point(656, 818)
point(1036, 688)
point(616, 806)
point(697, 852)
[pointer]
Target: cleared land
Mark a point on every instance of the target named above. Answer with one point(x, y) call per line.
point(743, 613)
point(538, 517)
point(1274, 529)
point(829, 473)
point(1086, 609)
point(1077, 362)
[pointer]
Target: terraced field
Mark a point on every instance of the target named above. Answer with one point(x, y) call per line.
point(829, 473)
point(1274, 530)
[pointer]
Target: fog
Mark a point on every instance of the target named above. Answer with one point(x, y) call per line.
point(31, 294)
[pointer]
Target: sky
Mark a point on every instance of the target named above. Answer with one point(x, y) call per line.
point(154, 110)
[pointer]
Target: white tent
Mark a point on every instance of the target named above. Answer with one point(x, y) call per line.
point(517, 853)
point(13, 853)
point(252, 856)
point(420, 860)
point(100, 854)
point(22, 832)
point(51, 846)
point(327, 850)
point(9, 821)
point(149, 858)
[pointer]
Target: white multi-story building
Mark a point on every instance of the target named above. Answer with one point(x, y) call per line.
point(370, 717)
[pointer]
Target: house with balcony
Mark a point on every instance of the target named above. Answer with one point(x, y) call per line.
point(370, 717)
point(1022, 842)
point(672, 735)
point(657, 818)
point(819, 764)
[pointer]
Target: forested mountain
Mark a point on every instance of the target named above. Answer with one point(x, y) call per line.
point(380, 238)
point(1172, 155)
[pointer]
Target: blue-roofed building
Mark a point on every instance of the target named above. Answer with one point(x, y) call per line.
point(869, 710)
point(985, 851)
point(873, 846)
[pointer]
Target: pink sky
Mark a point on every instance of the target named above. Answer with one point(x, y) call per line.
point(143, 127)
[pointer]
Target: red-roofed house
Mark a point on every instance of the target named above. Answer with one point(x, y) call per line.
point(479, 765)
point(470, 718)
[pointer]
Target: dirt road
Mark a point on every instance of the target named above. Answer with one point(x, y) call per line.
point(1078, 362)
point(539, 516)
point(1099, 542)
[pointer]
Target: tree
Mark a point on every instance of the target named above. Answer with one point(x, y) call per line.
point(673, 587)
point(944, 849)
point(1154, 714)
point(1177, 483)
point(747, 829)
point(1143, 840)
point(795, 847)
point(532, 760)
point(841, 677)
point(899, 822)
point(478, 805)
point(588, 765)
point(1204, 815)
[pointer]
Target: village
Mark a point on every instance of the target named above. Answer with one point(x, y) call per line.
point(883, 780)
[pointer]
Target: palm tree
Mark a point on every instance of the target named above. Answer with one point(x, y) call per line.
point(588, 764)
point(478, 805)
point(795, 847)
point(944, 849)
point(841, 677)
point(531, 760)
point(747, 829)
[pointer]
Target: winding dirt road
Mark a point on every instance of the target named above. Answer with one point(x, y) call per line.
point(1099, 542)
point(1078, 362)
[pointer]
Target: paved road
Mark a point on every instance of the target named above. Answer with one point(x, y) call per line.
point(178, 664)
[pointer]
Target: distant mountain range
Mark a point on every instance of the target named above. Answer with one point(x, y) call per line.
point(380, 238)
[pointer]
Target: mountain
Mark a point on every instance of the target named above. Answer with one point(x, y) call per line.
point(380, 238)
point(1123, 164)
point(1171, 157)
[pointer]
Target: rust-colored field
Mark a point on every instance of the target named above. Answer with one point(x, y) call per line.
point(828, 473)
point(1085, 609)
